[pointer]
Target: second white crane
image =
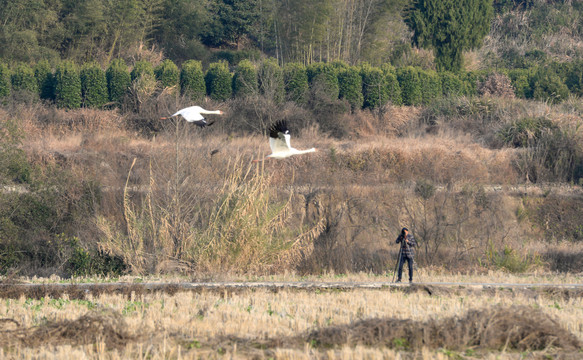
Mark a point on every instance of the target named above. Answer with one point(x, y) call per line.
point(279, 141)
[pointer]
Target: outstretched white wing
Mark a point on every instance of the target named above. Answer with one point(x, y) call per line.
point(280, 144)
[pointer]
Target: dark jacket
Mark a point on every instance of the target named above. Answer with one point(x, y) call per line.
point(408, 249)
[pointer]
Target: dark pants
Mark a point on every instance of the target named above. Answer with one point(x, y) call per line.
point(409, 259)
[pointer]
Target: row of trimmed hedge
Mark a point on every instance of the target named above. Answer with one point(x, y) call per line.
point(364, 86)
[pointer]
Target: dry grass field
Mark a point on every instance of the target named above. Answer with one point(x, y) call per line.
point(390, 323)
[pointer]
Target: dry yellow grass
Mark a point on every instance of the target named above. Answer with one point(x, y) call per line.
point(208, 324)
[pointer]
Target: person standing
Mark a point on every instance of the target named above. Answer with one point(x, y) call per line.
point(408, 245)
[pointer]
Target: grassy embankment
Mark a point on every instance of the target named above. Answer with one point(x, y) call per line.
point(482, 182)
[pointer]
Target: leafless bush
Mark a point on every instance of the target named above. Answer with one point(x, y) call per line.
point(389, 121)
point(564, 256)
point(516, 327)
point(461, 223)
point(355, 234)
point(104, 325)
point(552, 156)
point(478, 116)
point(557, 215)
point(496, 84)
point(255, 114)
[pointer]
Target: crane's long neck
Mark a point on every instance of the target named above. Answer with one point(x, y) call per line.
point(211, 112)
point(304, 151)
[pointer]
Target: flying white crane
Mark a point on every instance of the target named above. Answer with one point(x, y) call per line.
point(193, 114)
point(279, 141)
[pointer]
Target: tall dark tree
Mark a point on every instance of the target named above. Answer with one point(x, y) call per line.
point(179, 33)
point(29, 30)
point(233, 20)
point(449, 27)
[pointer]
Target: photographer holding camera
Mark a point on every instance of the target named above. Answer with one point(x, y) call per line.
point(407, 252)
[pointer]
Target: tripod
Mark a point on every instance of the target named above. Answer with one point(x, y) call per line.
point(399, 259)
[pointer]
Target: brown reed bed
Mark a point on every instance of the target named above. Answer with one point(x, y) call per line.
point(498, 328)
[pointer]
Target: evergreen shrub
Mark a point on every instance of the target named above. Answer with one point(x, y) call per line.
point(4, 80)
point(270, 80)
point(471, 79)
point(23, 79)
point(323, 79)
point(430, 86)
point(410, 84)
point(574, 78)
point(245, 79)
point(167, 73)
point(218, 81)
point(142, 67)
point(519, 80)
point(373, 87)
point(350, 86)
point(526, 131)
point(392, 87)
point(44, 80)
point(546, 85)
point(118, 80)
point(93, 86)
point(67, 86)
point(192, 80)
point(451, 84)
point(295, 79)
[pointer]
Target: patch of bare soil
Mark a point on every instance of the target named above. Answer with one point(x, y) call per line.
point(502, 328)
point(98, 326)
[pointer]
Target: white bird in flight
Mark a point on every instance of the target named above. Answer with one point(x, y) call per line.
point(279, 141)
point(193, 114)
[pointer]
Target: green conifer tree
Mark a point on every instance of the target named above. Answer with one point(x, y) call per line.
point(192, 80)
point(270, 80)
point(410, 85)
point(118, 80)
point(245, 79)
point(218, 81)
point(379, 87)
point(67, 86)
point(295, 80)
point(547, 85)
point(93, 86)
point(323, 78)
point(350, 86)
point(45, 80)
point(140, 68)
point(4, 80)
point(451, 84)
point(449, 27)
point(23, 79)
point(392, 86)
point(167, 73)
point(430, 86)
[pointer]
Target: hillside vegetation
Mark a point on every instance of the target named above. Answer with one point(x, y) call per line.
point(484, 165)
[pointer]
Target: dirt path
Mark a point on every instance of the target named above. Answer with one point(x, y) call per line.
point(84, 290)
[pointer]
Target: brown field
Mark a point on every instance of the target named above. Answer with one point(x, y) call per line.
point(410, 322)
